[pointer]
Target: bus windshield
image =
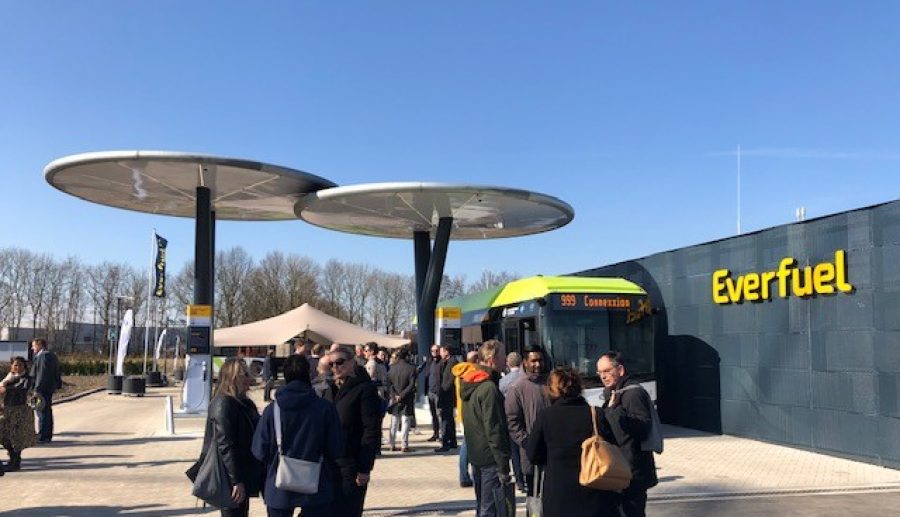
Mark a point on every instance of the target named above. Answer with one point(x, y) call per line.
point(577, 338)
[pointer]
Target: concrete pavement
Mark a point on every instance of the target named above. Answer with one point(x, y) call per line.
point(111, 456)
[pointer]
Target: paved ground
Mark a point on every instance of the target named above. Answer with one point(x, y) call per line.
point(112, 457)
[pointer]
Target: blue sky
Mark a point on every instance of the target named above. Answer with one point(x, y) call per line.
point(630, 113)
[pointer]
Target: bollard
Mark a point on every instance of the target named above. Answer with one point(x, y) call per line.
point(170, 419)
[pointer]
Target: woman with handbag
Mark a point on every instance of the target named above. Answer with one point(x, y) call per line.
point(17, 420)
point(299, 425)
point(229, 433)
point(555, 443)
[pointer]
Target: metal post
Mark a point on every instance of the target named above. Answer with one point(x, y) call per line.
point(422, 246)
point(212, 295)
point(431, 286)
point(203, 281)
point(170, 420)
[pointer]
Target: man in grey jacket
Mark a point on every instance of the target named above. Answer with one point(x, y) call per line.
point(523, 401)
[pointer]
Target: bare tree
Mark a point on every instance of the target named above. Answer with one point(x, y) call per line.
point(452, 287)
point(302, 281)
point(37, 284)
point(390, 302)
point(490, 279)
point(181, 286)
point(233, 268)
point(356, 287)
point(332, 278)
point(75, 298)
point(54, 306)
point(106, 282)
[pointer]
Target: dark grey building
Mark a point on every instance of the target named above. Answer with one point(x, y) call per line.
point(819, 371)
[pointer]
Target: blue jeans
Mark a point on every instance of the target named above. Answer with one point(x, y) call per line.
point(486, 479)
point(464, 464)
point(45, 418)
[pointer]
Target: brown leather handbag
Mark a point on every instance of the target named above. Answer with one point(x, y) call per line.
point(603, 466)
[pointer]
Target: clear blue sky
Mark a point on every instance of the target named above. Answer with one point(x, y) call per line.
point(630, 113)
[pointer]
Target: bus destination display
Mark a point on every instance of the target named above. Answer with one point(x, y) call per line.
point(586, 301)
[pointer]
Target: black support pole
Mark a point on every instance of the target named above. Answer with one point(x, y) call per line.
point(425, 332)
point(432, 285)
point(203, 281)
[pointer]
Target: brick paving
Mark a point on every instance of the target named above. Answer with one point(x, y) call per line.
point(111, 456)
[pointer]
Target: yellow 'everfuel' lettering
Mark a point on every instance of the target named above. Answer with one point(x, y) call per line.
point(807, 281)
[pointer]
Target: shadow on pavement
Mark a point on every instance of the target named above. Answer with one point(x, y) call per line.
point(119, 441)
point(76, 434)
point(43, 464)
point(93, 511)
point(438, 508)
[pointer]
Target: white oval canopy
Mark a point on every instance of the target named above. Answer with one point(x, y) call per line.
point(400, 209)
point(281, 328)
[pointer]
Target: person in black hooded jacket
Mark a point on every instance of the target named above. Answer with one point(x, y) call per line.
point(232, 421)
point(310, 430)
point(359, 409)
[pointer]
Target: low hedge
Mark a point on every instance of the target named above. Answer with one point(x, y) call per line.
point(96, 366)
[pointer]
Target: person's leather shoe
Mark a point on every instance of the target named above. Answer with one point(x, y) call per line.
point(442, 449)
point(433, 438)
point(404, 449)
point(466, 484)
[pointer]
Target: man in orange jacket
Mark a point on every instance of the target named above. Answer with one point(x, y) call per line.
point(465, 480)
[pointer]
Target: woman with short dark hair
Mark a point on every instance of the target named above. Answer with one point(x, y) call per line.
point(554, 445)
point(16, 418)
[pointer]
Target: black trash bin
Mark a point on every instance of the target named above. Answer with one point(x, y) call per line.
point(153, 379)
point(114, 384)
point(134, 386)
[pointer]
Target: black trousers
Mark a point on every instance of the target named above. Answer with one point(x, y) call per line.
point(435, 419)
point(633, 502)
point(350, 498)
point(448, 428)
point(241, 511)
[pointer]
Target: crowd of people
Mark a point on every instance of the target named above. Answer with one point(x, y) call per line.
point(522, 423)
point(26, 395)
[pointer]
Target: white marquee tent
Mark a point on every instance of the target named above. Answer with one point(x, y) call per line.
point(278, 329)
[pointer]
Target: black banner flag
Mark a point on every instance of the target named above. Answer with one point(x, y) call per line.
point(159, 268)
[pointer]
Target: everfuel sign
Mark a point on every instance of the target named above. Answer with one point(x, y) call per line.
point(824, 278)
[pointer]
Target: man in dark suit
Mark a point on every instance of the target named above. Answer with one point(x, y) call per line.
point(47, 378)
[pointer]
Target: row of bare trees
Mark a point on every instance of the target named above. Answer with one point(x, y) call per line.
point(41, 292)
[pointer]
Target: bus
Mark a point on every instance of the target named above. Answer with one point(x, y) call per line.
point(574, 319)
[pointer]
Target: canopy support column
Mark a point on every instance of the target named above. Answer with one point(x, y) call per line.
point(429, 277)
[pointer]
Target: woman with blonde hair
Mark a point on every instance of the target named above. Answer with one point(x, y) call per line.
point(230, 426)
point(554, 445)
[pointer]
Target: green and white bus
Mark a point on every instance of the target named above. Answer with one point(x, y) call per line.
point(575, 319)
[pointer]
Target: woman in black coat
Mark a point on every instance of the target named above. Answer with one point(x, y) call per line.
point(554, 445)
point(359, 409)
point(232, 420)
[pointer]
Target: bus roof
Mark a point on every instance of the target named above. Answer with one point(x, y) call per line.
point(534, 287)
